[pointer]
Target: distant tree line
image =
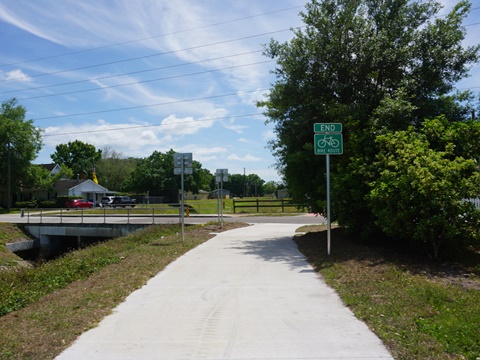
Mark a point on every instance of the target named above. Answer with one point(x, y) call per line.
point(153, 175)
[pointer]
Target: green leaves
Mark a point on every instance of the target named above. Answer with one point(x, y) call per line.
point(419, 191)
point(22, 140)
point(155, 174)
point(78, 156)
point(382, 68)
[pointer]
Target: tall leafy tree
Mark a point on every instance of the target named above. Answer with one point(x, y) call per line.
point(155, 175)
point(114, 169)
point(78, 156)
point(236, 184)
point(373, 65)
point(270, 187)
point(20, 142)
point(254, 185)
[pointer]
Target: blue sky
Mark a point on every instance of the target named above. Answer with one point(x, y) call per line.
point(139, 76)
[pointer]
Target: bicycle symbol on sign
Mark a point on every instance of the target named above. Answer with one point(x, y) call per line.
point(328, 140)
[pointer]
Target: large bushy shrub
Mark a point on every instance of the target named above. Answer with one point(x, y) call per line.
point(419, 193)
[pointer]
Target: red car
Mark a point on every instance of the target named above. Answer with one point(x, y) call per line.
point(78, 204)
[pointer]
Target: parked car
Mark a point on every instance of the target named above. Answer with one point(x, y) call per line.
point(123, 201)
point(78, 204)
point(106, 201)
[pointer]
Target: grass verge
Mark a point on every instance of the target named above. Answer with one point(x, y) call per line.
point(65, 297)
point(420, 309)
point(10, 233)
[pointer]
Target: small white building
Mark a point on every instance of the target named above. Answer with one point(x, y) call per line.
point(85, 188)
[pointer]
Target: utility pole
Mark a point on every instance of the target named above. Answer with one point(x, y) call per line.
point(221, 175)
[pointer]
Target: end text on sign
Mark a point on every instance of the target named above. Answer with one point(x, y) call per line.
point(327, 128)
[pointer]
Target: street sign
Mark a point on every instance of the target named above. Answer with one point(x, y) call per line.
point(183, 165)
point(327, 127)
point(221, 175)
point(186, 158)
point(328, 140)
point(328, 144)
point(186, 171)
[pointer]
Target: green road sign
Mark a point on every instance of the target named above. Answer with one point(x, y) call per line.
point(327, 127)
point(328, 144)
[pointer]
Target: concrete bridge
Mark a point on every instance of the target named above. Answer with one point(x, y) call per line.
point(52, 239)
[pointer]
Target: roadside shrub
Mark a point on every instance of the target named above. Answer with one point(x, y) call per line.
point(27, 204)
point(418, 195)
point(47, 204)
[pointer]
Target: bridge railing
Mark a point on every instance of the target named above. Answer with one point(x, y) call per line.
point(97, 215)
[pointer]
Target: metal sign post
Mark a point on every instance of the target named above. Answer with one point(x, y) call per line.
point(183, 164)
point(328, 140)
point(221, 175)
point(329, 222)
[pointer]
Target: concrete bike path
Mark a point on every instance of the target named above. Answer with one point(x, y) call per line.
point(248, 293)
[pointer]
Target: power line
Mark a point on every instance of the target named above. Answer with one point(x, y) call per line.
point(131, 73)
point(150, 37)
point(443, 15)
point(146, 81)
point(151, 125)
point(146, 56)
point(150, 105)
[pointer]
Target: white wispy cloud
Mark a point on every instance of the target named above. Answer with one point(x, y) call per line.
point(183, 126)
point(15, 75)
point(246, 158)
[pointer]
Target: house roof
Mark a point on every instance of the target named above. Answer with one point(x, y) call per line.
point(224, 191)
point(64, 185)
point(68, 184)
point(49, 167)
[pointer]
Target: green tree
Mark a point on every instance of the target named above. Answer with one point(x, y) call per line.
point(20, 143)
point(155, 175)
point(46, 181)
point(373, 65)
point(202, 178)
point(78, 156)
point(270, 187)
point(254, 185)
point(420, 190)
point(114, 169)
point(244, 185)
point(236, 184)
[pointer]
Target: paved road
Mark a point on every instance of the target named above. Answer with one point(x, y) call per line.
point(245, 294)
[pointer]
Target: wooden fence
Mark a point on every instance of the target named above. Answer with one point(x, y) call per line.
point(262, 203)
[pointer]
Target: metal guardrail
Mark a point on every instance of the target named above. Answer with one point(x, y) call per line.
point(37, 216)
